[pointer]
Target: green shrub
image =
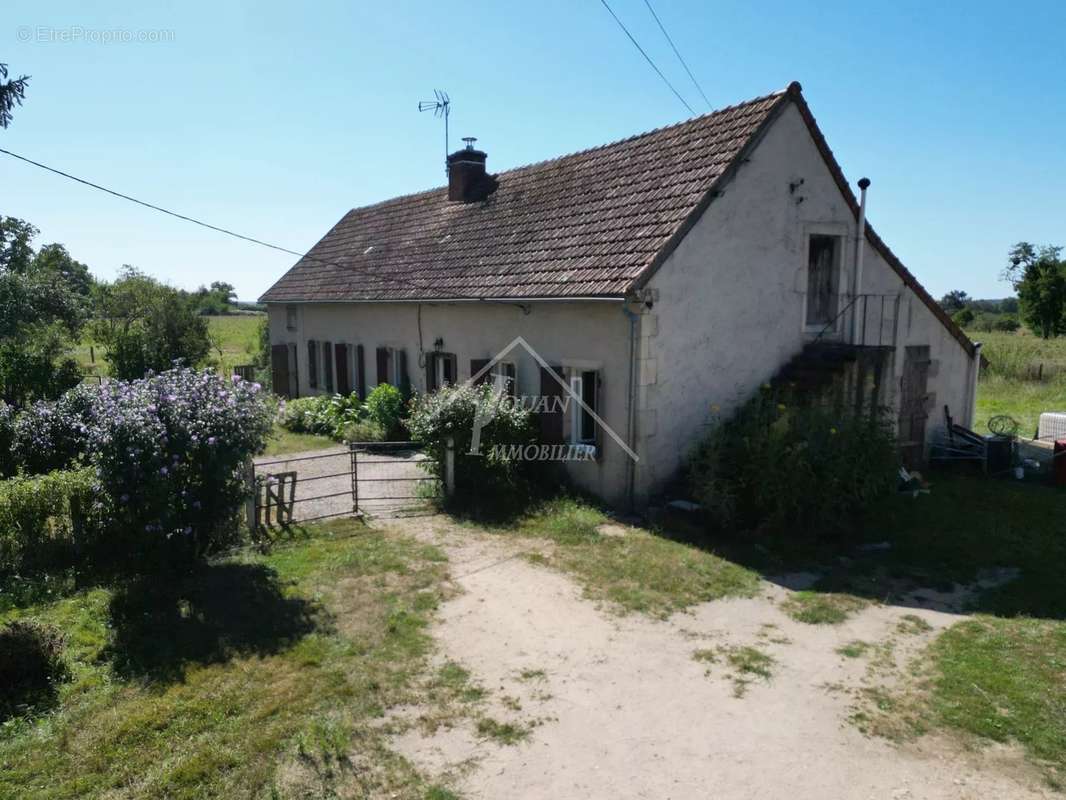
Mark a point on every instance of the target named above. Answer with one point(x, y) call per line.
point(385, 406)
point(301, 415)
point(489, 482)
point(323, 414)
point(31, 664)
point(780, 465)
point(42, 517)
point(363, 431)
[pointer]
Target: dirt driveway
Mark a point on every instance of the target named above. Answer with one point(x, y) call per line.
point(619, 707)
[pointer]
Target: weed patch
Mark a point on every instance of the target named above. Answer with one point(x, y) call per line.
point(816, 608)
point(746, 663)
point(640, 572)
point(855, 649)
point(504, 733)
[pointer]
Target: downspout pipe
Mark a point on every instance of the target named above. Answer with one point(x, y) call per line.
point(631, 381)
point(860, 249)
point(973, 383)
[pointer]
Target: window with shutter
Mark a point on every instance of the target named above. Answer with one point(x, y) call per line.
point(550, 416)
point(476, 365)
point(823, 268)
point(442, 369)
point(383, 365)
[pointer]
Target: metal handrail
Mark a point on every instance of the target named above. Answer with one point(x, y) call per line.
point(852, 306)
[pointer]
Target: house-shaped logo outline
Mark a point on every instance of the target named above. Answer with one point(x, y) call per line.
point(520, 341)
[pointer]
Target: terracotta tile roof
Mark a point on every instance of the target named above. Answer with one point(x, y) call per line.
point(597, 223)
point(583, 225)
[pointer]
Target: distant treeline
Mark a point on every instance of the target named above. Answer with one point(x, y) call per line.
point(982, 315)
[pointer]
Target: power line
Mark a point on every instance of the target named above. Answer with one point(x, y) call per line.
point(390, 278)
point(678, 54)
point(648, 58)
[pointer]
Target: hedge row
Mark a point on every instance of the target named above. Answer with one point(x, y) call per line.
point(42, 515)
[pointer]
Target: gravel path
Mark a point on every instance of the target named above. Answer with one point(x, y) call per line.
point(388, 482)
point(618, 706)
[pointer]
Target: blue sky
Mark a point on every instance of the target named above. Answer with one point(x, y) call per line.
point(275, 118)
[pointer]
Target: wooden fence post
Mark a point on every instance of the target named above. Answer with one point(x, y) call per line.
point(252, 498)
point(449, 468)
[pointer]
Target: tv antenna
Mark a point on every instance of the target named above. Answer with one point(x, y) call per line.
point(441, 106)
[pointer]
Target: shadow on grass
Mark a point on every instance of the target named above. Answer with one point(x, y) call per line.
point(972, 544)
point(160, 625)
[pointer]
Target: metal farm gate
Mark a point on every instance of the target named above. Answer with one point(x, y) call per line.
point(372, 478)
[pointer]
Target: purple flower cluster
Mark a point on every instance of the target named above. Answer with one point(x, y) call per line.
point(169, 450)
point(53, 435)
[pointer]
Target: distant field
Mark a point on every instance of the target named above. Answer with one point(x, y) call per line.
point(237, 336)
point(1010, 385)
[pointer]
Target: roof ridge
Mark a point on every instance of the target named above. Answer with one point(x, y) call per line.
point(653, 131)
point(792, 87)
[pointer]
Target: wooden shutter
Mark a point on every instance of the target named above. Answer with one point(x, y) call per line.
point(279, 369)
point(476, 365)
point(550, 418)
point(294, 371)
point(405, 379)
point(383, 365)
point(431, 373)
point(360, 372)
point(597, 406)
point(340, 355)
point(327, 366)
point(312, 363)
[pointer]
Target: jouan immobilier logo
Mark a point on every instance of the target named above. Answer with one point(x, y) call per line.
point(506, 394)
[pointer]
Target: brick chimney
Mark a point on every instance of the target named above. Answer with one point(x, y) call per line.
point(468, 181)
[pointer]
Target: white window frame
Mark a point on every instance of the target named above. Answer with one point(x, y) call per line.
point(499, 377)
point(577, 385)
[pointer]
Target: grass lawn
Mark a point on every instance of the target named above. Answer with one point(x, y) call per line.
point(1002, 674)
point(283, 442)
point(1008, 385)
point(639, 571)
point(1005, 679)
point(256, 676)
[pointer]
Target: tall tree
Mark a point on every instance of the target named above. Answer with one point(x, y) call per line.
point(955, 300)
point(16, 244)
point(147, 325)
point(12, 93)
point(55, 259)
point(41, 315)
point(1039, 277)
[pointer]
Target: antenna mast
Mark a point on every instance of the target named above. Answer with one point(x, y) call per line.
point(441, 106)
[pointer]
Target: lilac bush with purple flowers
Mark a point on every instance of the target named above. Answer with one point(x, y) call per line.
point(169, 451)
point(166, 454)
point(53, 435)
